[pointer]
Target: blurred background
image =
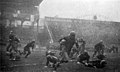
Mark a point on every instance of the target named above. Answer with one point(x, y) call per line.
point(49, 20)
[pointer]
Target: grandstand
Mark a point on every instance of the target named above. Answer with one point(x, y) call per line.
point(91, 30)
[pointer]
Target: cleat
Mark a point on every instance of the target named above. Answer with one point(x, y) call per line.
point(78, 62)
point(95, 67)
point(45, 66)
point(54, 71)
point(86, 64)
point(14, 59)
point(71, 60)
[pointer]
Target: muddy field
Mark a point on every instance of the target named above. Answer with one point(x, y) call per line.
point(36, 62)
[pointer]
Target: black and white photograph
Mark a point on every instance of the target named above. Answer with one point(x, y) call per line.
point(59, 35)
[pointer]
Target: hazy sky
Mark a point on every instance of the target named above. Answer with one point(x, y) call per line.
point(106, 9)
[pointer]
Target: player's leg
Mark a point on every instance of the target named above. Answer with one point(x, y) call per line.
point(28, 53)
point(95, 52)
point(8, 47)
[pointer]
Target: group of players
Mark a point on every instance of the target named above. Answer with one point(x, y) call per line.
point(12, 47)
point(68, 50)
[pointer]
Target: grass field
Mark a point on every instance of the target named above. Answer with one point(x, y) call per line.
point(36, 62)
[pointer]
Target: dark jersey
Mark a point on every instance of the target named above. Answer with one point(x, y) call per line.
point(97, 63)
point(31, 44)
point(99, 46)
point(84, 56)
point(11, 37)
point(69, 42)
point(16, 39)
point(83, 42)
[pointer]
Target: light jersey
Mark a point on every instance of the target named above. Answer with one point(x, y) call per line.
point(52, 59)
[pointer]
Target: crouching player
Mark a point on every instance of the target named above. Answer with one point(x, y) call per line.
point(99, 48)
point(14, 55)
point(114, 49)
point(83, 58)
point(27, 51)
point(52, 60)
point(99, 63)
